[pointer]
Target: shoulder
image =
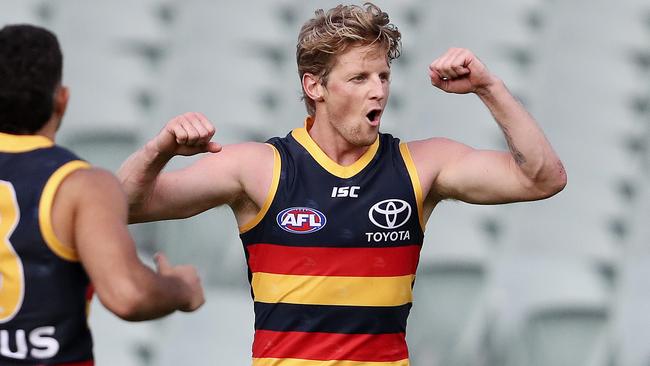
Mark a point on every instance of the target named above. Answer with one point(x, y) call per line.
point(434, 155)
point(440, 149)
point(50, 164)
point(63, 152)
point(439, 143)
point(91, 184)
point(256, 158)
point(237, 169)
point(100, 178)
point(86, 195)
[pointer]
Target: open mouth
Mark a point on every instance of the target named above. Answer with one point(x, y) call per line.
point(373, 116)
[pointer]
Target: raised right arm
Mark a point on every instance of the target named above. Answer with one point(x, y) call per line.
point(238, 175)
point(154, 196)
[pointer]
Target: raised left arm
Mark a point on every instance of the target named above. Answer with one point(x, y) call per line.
point(531, 170)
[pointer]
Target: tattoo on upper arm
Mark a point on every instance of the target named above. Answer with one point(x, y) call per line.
point(519, 157)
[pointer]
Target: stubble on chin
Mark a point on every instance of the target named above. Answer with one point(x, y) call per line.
point(359, 137)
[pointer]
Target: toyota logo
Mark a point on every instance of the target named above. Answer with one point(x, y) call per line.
point(390, 214)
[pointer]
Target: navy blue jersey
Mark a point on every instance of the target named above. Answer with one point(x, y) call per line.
point(43, 287)
point(332, 255)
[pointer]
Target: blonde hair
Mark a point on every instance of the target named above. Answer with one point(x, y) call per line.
point(327, 35)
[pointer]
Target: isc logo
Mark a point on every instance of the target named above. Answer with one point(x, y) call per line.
point(301, 220)
point(345, 191)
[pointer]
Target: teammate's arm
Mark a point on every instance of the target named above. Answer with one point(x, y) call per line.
point(530, 171)
point(90, 212)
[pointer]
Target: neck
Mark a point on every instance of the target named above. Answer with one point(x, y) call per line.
point(49, 129)
point(335, 146)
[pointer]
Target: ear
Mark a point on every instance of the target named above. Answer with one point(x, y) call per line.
point(61, 97)
point(312, 87)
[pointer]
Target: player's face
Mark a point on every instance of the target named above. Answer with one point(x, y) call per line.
point(357, 92)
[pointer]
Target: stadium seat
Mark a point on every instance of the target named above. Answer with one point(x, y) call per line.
point(210, 241)
point(631, 326)
point(106, 148)
point(110, 76)
point(22, 11)
point(566, 336)
point(117, 342)
point(548, 310)
point(448, 314)
point(221, 332)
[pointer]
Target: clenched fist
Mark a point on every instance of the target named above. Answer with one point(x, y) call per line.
point(459, 71)
point(187, 134)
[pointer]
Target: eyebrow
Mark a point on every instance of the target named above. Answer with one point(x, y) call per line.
point(364, 72)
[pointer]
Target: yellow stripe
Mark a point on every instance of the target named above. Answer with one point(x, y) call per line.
point(415, 180)
point(277, 165)
point(300, 362)
point(12, 275)
point(332, 290)
point(88, 303)
point(22, 143)
point(302, 136)
point(45, 210)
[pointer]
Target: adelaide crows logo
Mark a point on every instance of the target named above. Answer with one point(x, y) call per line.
point(301, 220)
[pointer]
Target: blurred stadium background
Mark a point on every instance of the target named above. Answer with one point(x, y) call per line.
point(559, 282)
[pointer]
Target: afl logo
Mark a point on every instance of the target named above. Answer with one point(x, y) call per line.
point(390, 214)
point(301, 220)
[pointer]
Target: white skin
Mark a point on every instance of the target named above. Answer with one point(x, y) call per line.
point(89, 215)
point(240, 175)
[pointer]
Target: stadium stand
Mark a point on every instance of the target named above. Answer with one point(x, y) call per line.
point(557, 282)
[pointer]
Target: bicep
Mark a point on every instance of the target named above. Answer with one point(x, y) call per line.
point(485, 177)
point(451, 170)
point(209, 182)
point(240, 172)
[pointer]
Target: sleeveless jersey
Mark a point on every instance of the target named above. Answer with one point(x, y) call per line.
point(332, 256)
point(44, 290)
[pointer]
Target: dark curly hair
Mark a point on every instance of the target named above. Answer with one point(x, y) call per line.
point(329, 34)
point(31, 65)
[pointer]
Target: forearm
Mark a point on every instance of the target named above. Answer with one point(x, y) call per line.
point(138, 176)
point(531, 152)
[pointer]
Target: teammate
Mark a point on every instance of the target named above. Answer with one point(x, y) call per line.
point(63, 223)
point(332, 215)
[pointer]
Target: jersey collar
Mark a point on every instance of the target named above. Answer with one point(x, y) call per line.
point(302, 136)
point(22, 143)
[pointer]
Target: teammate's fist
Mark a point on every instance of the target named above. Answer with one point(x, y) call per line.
point(187, 134)
point(189, 278)
point(459, 71)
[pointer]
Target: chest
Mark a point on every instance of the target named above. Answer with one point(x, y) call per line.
point(376, 207)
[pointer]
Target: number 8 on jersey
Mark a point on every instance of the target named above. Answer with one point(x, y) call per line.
point(11, 268)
